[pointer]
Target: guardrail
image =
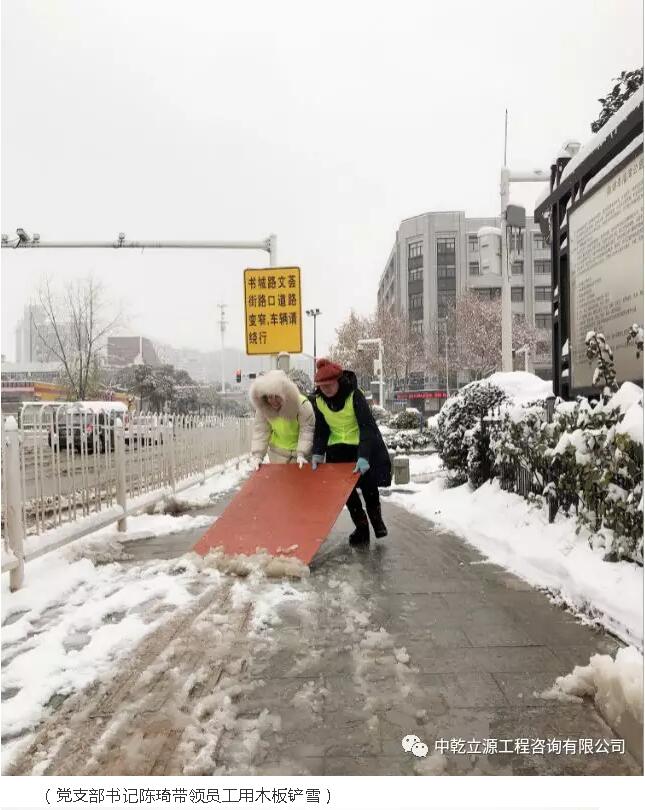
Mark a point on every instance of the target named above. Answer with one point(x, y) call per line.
point(71, 469)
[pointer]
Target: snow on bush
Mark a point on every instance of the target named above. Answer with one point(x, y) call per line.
point(458, 432)
point(409, 419)
point(520, 386)
point(409, 441)
point(381, 416)
point(589, 458)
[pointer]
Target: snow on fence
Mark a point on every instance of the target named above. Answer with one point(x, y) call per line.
point(71, 469)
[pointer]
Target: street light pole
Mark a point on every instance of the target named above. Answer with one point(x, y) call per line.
point(222, 326)
point(506, 178)
point(445, 347)
point(380, 374)
point(314, 313)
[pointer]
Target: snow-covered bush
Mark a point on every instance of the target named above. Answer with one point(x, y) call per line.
point(409, 419)
point(457, 419)
point(605, 372)
point(519, 439)
point(410, 441)
point(589, 459)
point(381, 416)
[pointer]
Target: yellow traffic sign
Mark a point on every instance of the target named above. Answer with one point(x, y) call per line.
point(272, 308)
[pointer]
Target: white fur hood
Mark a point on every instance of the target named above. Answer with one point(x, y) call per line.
point(275, 383)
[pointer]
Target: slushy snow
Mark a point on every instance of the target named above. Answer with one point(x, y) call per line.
point(512, 533)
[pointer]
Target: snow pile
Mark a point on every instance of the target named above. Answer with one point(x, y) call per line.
point(261, 563)
point(616, 687)
point(422, 465)
point(511, 532)
point(520, 386)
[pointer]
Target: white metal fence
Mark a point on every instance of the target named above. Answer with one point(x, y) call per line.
point(72, 468)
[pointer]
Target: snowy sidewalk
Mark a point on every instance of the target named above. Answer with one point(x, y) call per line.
point(326, 675)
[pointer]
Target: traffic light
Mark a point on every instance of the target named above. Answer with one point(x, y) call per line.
point(238, 376)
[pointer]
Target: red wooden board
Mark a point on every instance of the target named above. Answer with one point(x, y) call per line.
point(281, 506)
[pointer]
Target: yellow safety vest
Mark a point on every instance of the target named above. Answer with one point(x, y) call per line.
point(343, 424)
point(285, 432)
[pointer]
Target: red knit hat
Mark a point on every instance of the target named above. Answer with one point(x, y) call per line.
point(326, 371)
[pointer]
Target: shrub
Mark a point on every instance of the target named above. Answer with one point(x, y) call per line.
point(406, 420)
point(381, 416)
point(457, 419)
point(416, 441)
point(584, 461)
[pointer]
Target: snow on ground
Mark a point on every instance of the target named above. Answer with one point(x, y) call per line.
point(204, 494)
point(425, 465)
point(86, 606)
point(516, 535)
point(616, 687)
point(616, 684)
point(71, 621)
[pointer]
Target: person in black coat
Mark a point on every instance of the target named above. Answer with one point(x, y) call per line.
point(346, 431)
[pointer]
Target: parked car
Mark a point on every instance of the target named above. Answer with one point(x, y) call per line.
point(85, 425)
point(146, 429)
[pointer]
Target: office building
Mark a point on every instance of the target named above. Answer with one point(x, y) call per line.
point(438, 255)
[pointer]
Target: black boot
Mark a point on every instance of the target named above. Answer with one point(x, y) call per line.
point(380, 529)
point(361, 533)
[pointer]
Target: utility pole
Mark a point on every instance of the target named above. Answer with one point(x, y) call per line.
point(445, 347)
point(222, 327)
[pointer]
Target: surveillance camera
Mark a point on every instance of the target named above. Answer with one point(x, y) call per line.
point(23, 236)
point(571, 147)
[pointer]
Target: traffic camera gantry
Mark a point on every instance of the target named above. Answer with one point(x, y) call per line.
point(24, 240)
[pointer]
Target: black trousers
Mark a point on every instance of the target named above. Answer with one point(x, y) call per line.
point(337, 453)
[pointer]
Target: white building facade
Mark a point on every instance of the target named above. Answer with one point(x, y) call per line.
point(437, 255)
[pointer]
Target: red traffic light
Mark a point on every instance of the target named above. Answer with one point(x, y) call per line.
point(238, 375)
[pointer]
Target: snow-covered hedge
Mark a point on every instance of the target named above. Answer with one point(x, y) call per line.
point(410, 441)
point(589, 459)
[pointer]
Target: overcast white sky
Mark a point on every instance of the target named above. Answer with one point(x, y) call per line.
point(325, 123)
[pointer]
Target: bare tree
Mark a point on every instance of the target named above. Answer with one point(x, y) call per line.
point(345, 350)
point(474, 333)
point(73, 330)
point(403, 350)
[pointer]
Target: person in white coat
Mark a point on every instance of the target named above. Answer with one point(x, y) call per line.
point(284, 421)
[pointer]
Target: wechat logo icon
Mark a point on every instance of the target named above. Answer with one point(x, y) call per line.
point(413, 745)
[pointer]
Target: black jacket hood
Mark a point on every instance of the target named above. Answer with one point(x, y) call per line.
point(347, 381)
